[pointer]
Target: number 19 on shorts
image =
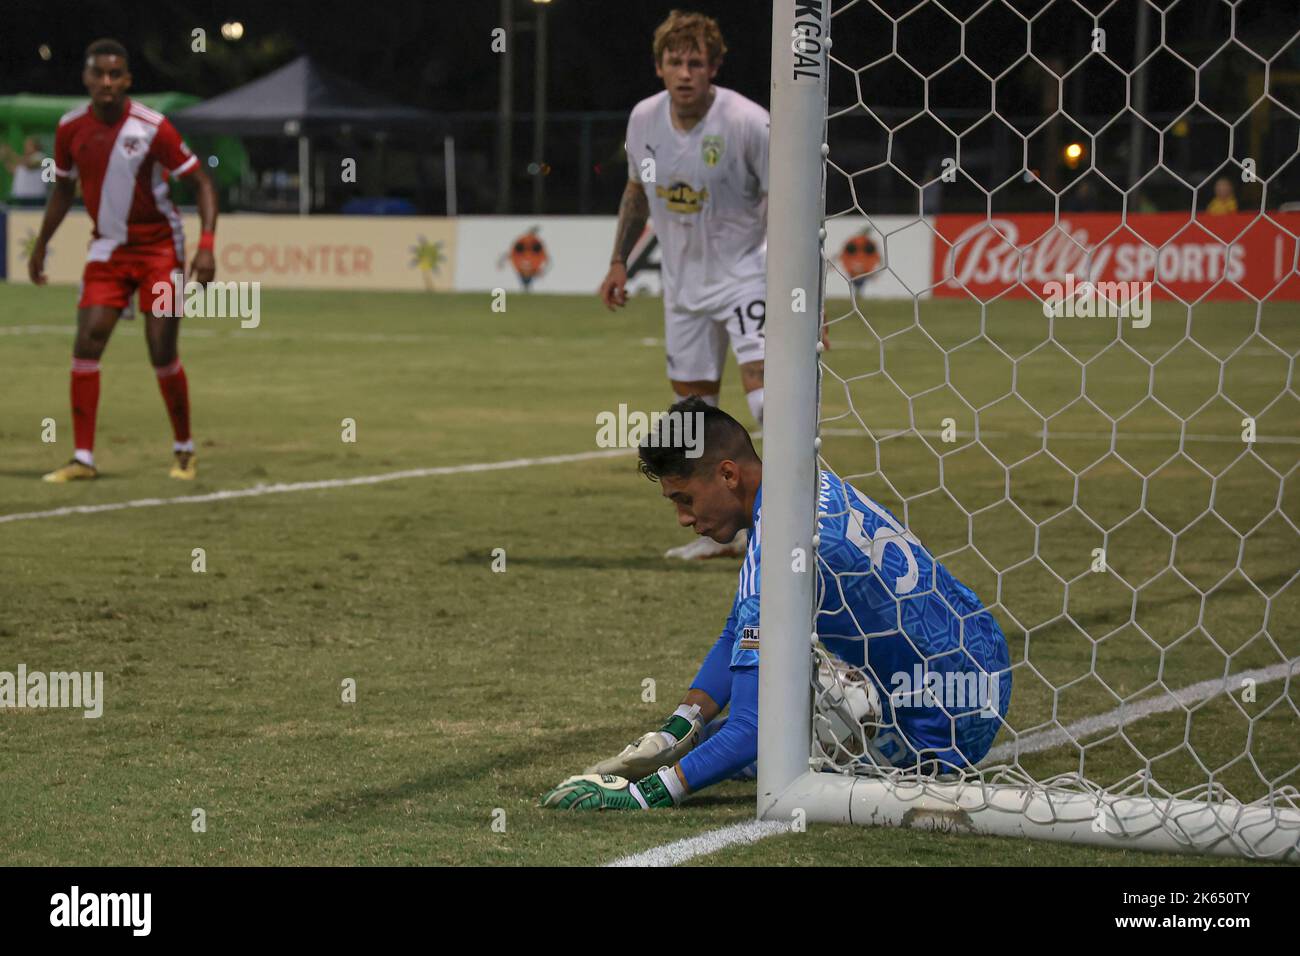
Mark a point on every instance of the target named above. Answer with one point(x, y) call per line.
point(754, 313)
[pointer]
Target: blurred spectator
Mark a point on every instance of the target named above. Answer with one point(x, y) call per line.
point(28, 188)
point(1224, 200)
point(1081, 198)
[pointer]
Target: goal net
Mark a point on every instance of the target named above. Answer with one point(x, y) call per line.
point(1054, 247)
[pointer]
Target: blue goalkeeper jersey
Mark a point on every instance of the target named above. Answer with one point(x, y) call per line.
point(937, 657)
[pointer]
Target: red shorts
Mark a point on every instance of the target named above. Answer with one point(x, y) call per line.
point(130, 268)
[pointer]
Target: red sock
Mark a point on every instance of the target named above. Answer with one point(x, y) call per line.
point(176, 396)
point(85, 402)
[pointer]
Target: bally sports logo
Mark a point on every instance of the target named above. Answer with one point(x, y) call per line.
point(1222, 257)
point(990, 252)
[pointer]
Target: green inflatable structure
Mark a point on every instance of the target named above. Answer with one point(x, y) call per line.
point(31, 114)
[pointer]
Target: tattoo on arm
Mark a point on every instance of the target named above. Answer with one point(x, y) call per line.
point(633, 212)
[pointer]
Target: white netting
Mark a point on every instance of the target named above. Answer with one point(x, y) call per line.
point(1121, 494)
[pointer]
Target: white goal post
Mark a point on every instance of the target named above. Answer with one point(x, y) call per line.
point(1108, 782)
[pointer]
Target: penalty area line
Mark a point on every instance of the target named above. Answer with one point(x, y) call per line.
point(324, 484)
point(680, 851)
point(1129, 713)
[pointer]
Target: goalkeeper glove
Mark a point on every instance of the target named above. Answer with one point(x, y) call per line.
point(659, 748)
point(603, 791)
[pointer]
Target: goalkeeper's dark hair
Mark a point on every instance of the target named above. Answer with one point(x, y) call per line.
point(663, 452)
point(106, 47)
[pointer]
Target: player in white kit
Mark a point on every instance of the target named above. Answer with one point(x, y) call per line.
point(697, 166)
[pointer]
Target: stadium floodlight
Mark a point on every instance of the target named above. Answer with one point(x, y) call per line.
point(1155, 760)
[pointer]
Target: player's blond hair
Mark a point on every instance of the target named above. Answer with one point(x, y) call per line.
point(683, 30)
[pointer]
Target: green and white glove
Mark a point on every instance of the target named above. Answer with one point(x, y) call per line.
point(603, 791)
point(660, 748)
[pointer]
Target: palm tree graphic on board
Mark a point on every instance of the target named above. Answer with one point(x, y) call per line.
point(428, 257)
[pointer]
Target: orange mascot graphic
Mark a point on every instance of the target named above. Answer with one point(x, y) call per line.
point(860, 258)
point(528, 257)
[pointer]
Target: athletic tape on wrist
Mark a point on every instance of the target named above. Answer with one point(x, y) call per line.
point(673, 784)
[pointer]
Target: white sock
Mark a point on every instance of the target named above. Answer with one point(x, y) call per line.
point(85, 456)
point(183, 446)
point(755, 399)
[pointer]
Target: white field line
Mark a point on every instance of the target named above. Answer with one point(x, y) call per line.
point(1128, 713)
point(323, 484)
point(328, 483)
point(671, 854)
point(279, 489)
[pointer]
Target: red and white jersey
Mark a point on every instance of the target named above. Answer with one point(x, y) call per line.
point(124, 168)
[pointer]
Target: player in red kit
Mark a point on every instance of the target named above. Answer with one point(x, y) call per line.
point(124, 153)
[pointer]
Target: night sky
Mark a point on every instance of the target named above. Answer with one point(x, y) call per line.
point(436, 54)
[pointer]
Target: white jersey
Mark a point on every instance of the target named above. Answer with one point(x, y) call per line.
point(706, 189)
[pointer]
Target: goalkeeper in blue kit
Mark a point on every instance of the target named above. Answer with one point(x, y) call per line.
point(913, 671)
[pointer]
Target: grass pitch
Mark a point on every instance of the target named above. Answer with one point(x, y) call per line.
point(476, 691)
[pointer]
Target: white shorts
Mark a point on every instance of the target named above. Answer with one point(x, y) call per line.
point(696, 342)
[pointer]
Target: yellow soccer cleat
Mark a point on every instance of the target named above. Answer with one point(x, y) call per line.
point(72, 471)
point(185, 467)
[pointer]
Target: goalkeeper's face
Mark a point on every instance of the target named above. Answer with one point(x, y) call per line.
point(711, 502)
